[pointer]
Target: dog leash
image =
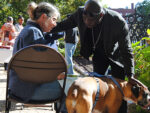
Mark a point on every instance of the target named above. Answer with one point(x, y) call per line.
point(94, 74)
point(97, 93)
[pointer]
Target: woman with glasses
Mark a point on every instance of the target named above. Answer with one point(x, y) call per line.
point(43, 18)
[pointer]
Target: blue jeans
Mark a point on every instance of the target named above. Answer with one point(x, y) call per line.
point(69, 51)
point(50, 91)
point(47, 91)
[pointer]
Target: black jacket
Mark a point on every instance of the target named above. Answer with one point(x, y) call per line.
point(71, 36)
point(116, 39)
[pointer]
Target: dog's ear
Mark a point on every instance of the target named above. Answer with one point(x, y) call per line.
point(136, 90)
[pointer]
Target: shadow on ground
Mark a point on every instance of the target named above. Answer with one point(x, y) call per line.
point(14, 106)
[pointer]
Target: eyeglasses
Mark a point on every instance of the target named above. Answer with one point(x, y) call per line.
point(87, 13)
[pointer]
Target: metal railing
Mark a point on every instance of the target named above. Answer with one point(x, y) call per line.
point(138, 25)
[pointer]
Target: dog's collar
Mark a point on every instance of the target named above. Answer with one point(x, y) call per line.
point(94, 74)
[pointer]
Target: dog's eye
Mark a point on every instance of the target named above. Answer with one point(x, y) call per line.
point(136, 90)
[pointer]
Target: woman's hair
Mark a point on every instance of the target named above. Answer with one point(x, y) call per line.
point(35, 11)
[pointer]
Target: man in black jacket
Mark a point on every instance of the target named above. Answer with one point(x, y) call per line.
point(105, 35)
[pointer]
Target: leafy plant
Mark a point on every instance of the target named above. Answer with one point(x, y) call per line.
point(61, 48)
point(142, 61)
point(19, 7)
point(142, 66)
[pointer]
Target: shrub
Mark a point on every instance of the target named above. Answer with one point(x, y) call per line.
point(142, 61)
point(61, 48)
point(142, 66)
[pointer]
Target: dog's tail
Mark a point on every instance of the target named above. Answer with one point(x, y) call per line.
point(76, 99)
point(71, 100)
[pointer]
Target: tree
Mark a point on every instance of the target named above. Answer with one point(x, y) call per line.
point(143, 8)
point(19, 7)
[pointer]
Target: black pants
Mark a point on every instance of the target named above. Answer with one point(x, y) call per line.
point(100, 65)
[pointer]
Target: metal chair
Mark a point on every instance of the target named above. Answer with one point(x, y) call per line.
point(36, 64)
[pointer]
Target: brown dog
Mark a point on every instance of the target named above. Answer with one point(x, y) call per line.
point(81, 95)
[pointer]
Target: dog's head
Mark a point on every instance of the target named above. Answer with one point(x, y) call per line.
point(140, 93)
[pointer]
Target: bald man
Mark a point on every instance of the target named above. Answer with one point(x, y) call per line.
point(104, 35)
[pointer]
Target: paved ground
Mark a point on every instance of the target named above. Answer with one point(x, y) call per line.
point(2, 88)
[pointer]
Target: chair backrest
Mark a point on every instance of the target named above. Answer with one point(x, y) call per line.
point(38, 64)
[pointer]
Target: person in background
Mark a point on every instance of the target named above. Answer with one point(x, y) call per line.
point(19, 25)
point(18, 28)
point(104, 36)
point(71, 40)
point(43, 18)
point(7, 31)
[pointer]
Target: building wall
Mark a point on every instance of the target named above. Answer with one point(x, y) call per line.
point(126, 11)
